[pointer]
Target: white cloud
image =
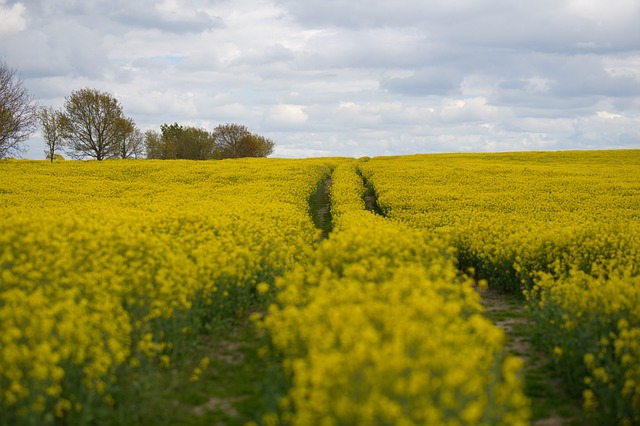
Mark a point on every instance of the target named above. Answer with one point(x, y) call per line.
point(607, 130)
point(285, 115)
point(609, 12)
point(468, 110)
point(608, 115)
point(13, 18)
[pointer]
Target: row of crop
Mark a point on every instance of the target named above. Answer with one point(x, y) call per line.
point(583, 288)
point(117, 277)
point(379, 328)
point(562, 227)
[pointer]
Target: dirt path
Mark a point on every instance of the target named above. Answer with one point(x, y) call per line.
point(510, 315)
point(370, 197)
point(320, 207)
point(550, 402)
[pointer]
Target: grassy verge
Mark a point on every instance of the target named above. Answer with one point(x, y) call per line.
point(233, 387)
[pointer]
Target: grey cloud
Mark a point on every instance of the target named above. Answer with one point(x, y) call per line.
point(196, 22)
point(344, 48)
point(321, 13)
point(59, 47)
point(577, 83)
point(103, 14)
point(432, 81)
point(273, 54)
point(544, 25)
point(563, 87)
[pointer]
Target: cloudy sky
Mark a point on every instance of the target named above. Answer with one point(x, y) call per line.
point(345, 77)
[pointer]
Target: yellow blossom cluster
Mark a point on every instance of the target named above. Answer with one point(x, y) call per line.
point(563, 227)
point(595, 322)
point(107, 267)
point(378, 327)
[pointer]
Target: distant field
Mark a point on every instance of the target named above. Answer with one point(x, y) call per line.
point(119, 273)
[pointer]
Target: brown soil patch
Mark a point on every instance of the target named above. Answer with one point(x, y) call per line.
point(218, 404)
point(494, 302)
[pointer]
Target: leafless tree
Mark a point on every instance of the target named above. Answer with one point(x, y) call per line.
point(18, 112)
point(95, 125)
point(52, 125)
point(132, 146)
point(154, 146)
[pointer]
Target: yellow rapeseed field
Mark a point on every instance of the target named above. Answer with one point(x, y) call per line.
point(108, 266)
point(564, 228)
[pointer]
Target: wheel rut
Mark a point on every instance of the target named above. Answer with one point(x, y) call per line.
point(320, 207)
point(551, 403)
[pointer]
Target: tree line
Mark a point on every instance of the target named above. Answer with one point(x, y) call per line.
point(92, 124)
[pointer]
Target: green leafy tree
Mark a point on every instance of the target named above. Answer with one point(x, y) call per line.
point(95, 125)
point(18, 112)
point(179, 142)
point(52, 123)
point(192, 143)
point(196, 144)
point(236, 141)
point(171, 137)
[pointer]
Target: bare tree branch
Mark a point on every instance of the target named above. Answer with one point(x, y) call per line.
point(95, 125)
point(18, 112)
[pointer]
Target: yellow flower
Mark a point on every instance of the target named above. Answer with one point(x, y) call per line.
point(165, 361)
point(557, 352)
point(195, 375)
point(589, 399)
point(262, 287)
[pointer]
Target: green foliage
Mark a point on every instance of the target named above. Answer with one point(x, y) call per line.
point(185, 142)
point(234, 386)
point(191, 143)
